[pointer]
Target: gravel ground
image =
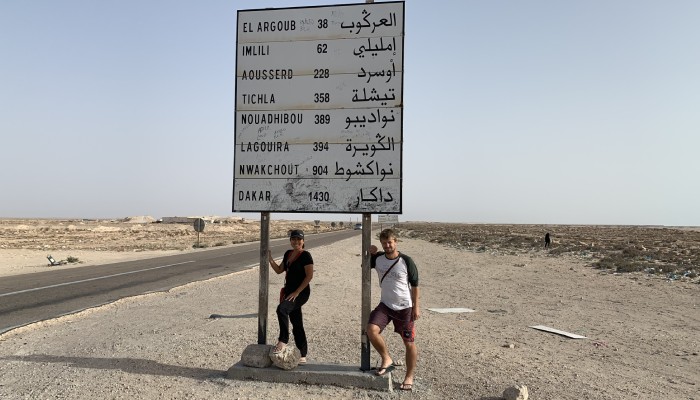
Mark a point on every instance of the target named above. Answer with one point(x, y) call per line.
point(642, 333)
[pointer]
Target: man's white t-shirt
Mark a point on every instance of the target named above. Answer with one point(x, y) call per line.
point(396, 286)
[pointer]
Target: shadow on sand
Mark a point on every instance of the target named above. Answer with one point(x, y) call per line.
point(215, 316)
point(130, 365)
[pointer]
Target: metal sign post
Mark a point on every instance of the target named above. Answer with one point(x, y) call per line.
point(366, 289)
point(365, 353)
point(263, 291)
point(199, 227)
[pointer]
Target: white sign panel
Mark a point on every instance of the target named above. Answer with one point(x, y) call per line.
point(319, 97)
point(388, 218)
point(376, 54)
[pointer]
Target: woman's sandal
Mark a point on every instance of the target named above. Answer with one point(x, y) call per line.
point(406, 386)
point(278, 349)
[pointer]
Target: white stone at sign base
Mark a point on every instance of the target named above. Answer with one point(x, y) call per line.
point(518, 392)
point(287, 358)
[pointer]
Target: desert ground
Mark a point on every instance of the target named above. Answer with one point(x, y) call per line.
point(633, 292)
point(26, 243)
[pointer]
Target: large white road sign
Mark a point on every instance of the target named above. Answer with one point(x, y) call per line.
point(319, 109)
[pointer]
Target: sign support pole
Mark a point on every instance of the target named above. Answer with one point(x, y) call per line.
point(366, 283)
point(366, 290)
point(263, 291)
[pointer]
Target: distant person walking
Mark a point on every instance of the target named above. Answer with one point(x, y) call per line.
point(398, 280)
point(299, 266)
point(547, 240)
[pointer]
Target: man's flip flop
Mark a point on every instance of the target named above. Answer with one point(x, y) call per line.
point(406, 386)
point(381, 371)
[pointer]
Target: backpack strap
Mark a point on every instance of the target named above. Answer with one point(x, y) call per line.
point(290, 261)
point(387, 271)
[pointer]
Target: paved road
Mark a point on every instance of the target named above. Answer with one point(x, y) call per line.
point(35, 297)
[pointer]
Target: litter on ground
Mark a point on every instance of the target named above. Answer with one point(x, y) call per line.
point(451, 310)
point(558, 332)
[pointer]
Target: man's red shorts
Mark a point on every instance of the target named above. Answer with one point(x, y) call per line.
point(403, 324)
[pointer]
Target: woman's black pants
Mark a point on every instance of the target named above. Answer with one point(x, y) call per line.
point(291, 311)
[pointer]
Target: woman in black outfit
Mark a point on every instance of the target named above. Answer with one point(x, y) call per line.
point(299, 266)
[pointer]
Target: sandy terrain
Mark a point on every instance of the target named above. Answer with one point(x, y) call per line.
point(25, 244)
point(642, 328)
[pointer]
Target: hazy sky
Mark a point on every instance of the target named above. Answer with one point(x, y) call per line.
point(546, 112)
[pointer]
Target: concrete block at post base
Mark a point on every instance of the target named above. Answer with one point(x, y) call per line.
point(341, 375)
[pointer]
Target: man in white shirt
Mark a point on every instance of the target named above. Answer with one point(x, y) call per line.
point(398, 280)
